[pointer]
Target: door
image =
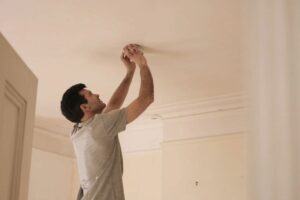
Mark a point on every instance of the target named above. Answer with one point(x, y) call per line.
point(18, 87)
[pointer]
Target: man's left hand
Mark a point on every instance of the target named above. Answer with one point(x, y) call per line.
point(129, 65)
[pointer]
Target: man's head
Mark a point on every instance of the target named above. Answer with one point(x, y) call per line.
point(78, 102)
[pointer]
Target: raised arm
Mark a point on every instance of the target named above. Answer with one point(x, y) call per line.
point(146, 93)
point(120, 94)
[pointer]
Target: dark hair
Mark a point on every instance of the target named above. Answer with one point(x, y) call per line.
point(71, 101)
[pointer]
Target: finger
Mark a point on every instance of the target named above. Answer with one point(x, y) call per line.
point(129, 46)
point(125, 51)
point(139, 52)
point(129, 53)
point(128, 49)
point(122, 55)
point(132, 47)
point(135, 50)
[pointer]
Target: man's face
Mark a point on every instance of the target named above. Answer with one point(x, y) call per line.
point(94, 104)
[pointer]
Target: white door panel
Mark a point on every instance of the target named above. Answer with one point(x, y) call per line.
point(18, 87)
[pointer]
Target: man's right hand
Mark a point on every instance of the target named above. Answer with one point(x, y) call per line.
point(146, 94)
point(135, 54)
point(129, 65)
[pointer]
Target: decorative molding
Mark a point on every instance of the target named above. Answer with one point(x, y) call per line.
point(153, 116)
point(199, 106)
point(205, 125)
point(56, 126)
point(143, 136)
point(53, 142)
point(200, 139)
point(178, 121)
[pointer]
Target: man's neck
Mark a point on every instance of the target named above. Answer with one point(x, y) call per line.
point(87, 116)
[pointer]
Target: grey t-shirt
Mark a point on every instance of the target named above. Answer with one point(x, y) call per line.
point(99, 156)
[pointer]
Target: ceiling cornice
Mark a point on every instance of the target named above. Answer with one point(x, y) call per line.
point(199, 106)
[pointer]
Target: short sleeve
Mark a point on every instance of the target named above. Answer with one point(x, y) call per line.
point(115, 121)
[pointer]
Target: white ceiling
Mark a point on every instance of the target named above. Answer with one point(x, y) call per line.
point(194, 47)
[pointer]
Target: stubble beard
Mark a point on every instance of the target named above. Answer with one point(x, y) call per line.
point(100, 108)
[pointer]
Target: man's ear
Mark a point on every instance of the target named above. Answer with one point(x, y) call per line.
point(84, 107)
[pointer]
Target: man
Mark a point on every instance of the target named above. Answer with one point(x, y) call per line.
point(95, 135)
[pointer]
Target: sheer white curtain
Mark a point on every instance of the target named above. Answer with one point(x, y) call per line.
point(273, 69)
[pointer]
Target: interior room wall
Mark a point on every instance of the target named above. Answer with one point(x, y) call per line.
point(143, 175)
point(206, 168)
point(53, 168)
point(51, 176)
point(194, 150)
point(204, 151)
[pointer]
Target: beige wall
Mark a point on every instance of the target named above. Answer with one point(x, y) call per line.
point(204, 150)
point(52, 176)
point(142, 175)
point(211, 168)
point(197, 156)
